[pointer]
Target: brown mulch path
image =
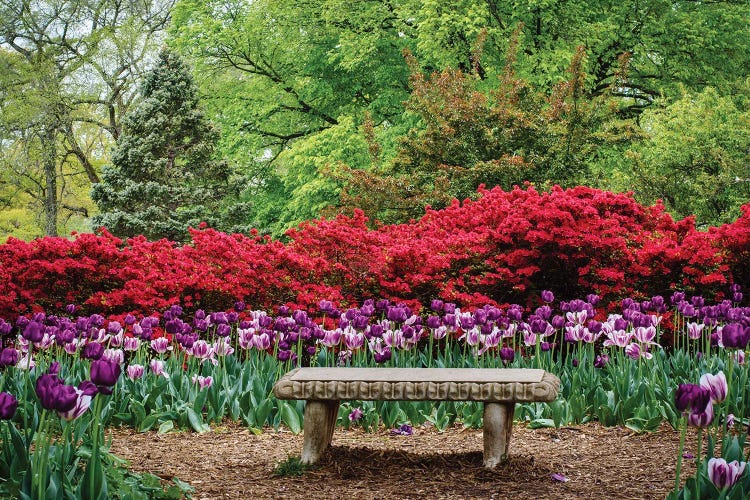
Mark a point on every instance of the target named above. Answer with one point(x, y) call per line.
point(231, 462)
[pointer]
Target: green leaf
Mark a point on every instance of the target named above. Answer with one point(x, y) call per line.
point(166, 427)
point(262, 412)
point(540, 423)
point(196, 421)
point(290, 417)
point(148, 422)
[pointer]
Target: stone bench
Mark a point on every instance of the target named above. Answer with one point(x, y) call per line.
point(498, 389)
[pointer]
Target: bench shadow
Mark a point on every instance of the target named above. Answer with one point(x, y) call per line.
point(347, 462)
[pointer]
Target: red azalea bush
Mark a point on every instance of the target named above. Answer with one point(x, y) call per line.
point(504, 247)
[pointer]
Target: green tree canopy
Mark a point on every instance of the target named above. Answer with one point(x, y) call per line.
point(696, 158)
point(163, 178)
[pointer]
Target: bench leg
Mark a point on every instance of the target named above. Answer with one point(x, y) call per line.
point(320, 421)
point(498, 424)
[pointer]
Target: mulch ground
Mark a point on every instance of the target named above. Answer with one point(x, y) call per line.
point(231, 462)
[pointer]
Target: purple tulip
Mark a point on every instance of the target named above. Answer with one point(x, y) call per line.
point(223, 330)
point(382, 304)
point(735, 336)
point(284, 310)
point(8, 405)
point(538, 326)
point(507, 354)
point(702, 419)
point(219, 318)
point(360, 322)
point(93, 350)
point(88, 388)
point(114, 327)
point(558, 322)
point(367, 309)
point(9, 357)
point(33, 332)
point(548, 296)
point(45, 388)
point(104, 374)
point(724, 474)
point(436, 305)
point(691, 398)
point(396, 314)
point(240, 306)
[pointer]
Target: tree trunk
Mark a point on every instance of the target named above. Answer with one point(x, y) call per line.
point(49, 154)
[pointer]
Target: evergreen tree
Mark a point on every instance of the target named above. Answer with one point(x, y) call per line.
point(163, 178)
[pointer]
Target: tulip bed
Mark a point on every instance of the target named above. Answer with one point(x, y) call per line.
point(65, 377)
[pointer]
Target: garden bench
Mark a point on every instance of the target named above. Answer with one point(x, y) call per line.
point(499, 390)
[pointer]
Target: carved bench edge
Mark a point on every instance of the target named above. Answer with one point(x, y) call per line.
point(544, 391)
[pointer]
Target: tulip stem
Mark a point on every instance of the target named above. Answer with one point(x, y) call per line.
point(683, 432)
point(699, 452)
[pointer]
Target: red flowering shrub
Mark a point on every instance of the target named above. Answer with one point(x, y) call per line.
point(504, 247)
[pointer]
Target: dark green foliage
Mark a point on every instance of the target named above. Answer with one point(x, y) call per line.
point(163, 178)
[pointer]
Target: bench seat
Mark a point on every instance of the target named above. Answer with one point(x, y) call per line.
point(499, 390)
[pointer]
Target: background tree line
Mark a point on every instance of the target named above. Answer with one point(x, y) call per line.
point(276, 112)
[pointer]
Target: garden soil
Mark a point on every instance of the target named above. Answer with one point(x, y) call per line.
point(593, 462)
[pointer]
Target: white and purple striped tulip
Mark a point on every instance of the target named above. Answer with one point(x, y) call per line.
point(114, 356)
point(134, 371)
point(636, 351)
point(161, 345)
point(201, 350)
point(645, 335)
point(131, 344)
point(245, 337)
point(724, 475)
point(203, 382)
point(695, 330)
point(223, 347)
point(83, 402)
point(262, 342)
point(157, 368)
point(717, 384)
